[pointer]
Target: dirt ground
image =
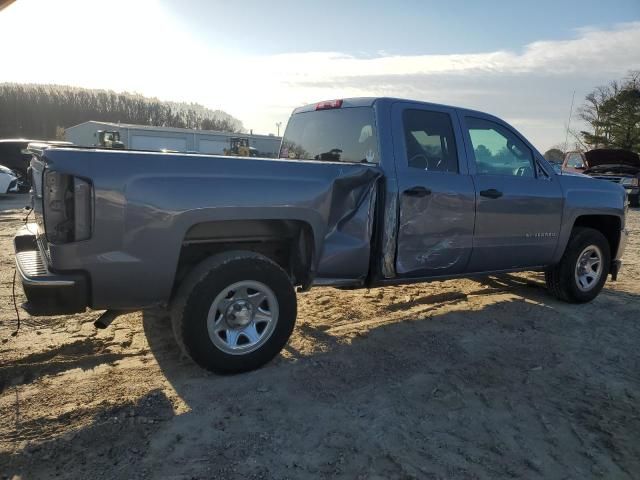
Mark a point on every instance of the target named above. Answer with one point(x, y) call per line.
point(486, 378)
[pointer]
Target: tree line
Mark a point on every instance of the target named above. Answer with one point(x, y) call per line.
point(44, 111)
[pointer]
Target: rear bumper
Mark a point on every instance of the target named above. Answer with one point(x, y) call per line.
point(47, 293)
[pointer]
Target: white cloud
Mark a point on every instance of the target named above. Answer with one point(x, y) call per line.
point(604, 50)
point(93, 45)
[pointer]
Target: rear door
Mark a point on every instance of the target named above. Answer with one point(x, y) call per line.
point(518, 203)
point(436, 193)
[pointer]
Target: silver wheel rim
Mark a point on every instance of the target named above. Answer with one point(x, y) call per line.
point(588, 268)
point(242, 317)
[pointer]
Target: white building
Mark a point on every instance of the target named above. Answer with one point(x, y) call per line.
point(144, 137)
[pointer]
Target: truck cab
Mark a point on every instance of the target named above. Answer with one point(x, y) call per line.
point(471, 194)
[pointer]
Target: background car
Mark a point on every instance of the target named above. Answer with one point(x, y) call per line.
point(614, 165)
point(14, 156)
point(8, 181)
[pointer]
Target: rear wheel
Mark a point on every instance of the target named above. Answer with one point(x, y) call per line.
point(583, 269)
point(234, 312)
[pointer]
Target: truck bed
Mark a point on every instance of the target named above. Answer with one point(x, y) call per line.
point(148, 203)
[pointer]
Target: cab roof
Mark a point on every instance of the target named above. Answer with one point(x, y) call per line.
point(370, 101)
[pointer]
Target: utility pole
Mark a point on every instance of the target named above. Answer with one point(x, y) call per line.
point(278, 125)
point(566, 137)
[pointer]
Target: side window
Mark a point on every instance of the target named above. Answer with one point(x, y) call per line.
point(430, 142)
point(499, 151)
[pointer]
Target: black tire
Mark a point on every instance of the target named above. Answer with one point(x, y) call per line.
point(198, 291)
point(634, 201)
point(561, 279)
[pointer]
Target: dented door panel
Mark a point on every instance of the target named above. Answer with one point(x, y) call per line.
point(436, 231)
point(436, 208)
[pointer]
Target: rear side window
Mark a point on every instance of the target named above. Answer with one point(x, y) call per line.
point(430, 141)
point(336, 135)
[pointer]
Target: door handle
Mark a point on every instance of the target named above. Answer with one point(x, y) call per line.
point(491, 193)
point(417, 192)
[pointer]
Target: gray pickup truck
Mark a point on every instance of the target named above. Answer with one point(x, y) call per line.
point(367, 192)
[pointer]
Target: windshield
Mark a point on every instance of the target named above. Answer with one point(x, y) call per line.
point(337, 135)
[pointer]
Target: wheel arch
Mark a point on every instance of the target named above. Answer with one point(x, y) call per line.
point(609, 222)
point(608, 225)
point(289, 243)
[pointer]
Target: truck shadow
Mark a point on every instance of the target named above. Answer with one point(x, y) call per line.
point(427, 300)
point(529, 368)
point(119, 432)
point(517, 388)
point(84, 354)
point(524, 286)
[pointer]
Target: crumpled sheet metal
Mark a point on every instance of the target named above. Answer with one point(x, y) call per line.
point(347, 243)
point(438, 244)
point(389, 237)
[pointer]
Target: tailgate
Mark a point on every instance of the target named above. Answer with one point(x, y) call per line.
point(36, 170)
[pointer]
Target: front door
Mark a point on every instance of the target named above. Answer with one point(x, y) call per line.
point(518, 204)
point(436, 193)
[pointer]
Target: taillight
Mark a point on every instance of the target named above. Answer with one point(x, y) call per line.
point(67, 207)
point(329, 104)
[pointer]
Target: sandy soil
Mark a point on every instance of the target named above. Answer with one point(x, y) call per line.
point(463, 379)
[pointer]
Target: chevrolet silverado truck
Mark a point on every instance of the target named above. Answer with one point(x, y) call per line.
point(367, 192)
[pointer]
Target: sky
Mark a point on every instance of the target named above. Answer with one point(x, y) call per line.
point(256, 60)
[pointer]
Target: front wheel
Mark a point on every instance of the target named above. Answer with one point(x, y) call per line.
point(234, 312)
point(583, 269)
